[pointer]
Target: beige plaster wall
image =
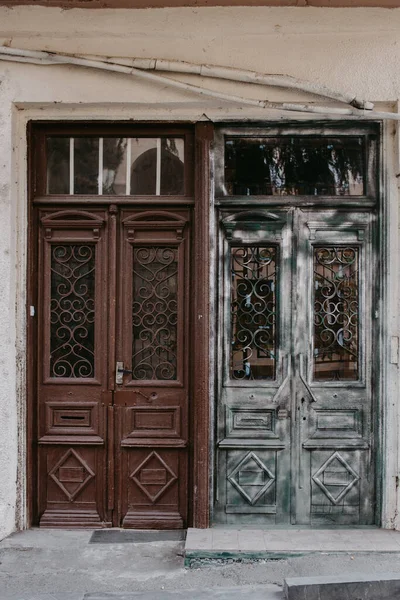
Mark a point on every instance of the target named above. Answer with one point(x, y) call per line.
point(350, 50)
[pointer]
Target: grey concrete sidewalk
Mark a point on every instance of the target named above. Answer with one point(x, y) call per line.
point(260, 592)
point(63, 565)
point(280, 543)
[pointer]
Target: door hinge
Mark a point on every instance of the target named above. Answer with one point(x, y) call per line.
point(32, 311)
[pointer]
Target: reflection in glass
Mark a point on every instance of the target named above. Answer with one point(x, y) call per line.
point(157, 166)
point(114, 166)
point(144, 166)
point(172, 167)
point(253, 312)
point(57, 165)
point(336, 294)
point(155, 313)
point(86, 165)
point(294, 166)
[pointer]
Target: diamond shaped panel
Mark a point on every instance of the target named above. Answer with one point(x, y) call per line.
point(251, 478)
point(71, 474)
point(153, 476)
point(335, 478)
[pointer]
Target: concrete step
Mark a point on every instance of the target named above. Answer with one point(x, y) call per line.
point(354, 587)
point(224, 543)
point(257, 592)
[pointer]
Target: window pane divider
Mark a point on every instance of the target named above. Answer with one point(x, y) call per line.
point(71, 166)
point(158, 169)
point(100, 178)
point(128, 166)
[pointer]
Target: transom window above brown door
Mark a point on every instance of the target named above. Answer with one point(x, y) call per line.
point(118, 162)
point(140, 166)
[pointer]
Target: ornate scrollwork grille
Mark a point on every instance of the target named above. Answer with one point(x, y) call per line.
point(336, 307)
point(155, 313)
point(72, 310)
point(253, 312)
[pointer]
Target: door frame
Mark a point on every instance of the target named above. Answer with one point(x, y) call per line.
point(373, 199)
point(198, 491)
point(23, 119)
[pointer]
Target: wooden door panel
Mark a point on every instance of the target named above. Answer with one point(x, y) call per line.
point(255, 489)
point(72, 484)
point(72, 368)
point(153, 490)
point(338, 486)
point(153, 396)
point(254, 388)
point(334, 370)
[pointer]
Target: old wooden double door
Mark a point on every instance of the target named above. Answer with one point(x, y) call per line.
point(294, 359)
point(113, 380)
point(295, 432)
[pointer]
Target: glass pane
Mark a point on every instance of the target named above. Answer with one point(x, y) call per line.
point(86, 165)
point(294, 166)
point(155, 313)
point(336, 296)
point(144, 166)
point(57, 165)
point(72, 310)
point(172, 167)
point(114, 166)
point(129, 166)
point(253, 312)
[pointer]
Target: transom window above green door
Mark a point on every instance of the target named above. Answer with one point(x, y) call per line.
point(317, 162)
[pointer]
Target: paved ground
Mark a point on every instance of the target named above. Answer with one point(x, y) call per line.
point(267, 542)
point(62, 565)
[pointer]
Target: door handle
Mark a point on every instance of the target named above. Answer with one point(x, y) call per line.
point(283, 413)
point(303, 379)
point(120, 372)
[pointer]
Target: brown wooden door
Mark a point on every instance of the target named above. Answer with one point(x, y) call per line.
point(151, 398)
point(113, 444)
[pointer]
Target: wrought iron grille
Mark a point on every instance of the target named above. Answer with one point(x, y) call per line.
point(155, 313)
point(253, 312)
point(336, 313)
point(72, 310)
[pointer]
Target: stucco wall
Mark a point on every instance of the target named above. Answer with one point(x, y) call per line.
point(345, 48)
point(351, 50)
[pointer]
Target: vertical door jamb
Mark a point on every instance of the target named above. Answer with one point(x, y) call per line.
point(204, 135)
point(112, 295)
point(31, 370)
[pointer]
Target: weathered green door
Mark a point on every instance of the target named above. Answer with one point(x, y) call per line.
point(295, 434)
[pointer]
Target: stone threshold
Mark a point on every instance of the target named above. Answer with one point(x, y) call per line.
point(227, 543)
